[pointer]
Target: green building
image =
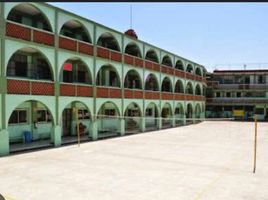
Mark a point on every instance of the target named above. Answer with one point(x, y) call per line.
point(59, 70)
point(237, 93)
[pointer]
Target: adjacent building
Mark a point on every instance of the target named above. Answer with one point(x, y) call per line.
point(62, 73)
point(237, 93)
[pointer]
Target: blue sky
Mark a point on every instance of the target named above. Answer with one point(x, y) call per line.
point(207, 33)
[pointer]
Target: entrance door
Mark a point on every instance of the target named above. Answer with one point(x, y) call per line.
point(67, 121)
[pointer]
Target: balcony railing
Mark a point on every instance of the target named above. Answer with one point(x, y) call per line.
point(167, 95)
point(30, 87)
point(108, 92)
point(75, 45)
point(132, 60)
point(178, 96)
point(241, 100)
point(152, 65)
point(152, 94)
point(240, 86)
point(109, 54)
point(28, 33)
point(167, 69)
point(78, 90)
point(133, 94)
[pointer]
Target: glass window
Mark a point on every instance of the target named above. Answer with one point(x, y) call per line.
point(18, 116)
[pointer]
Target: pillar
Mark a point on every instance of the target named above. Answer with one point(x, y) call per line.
point(173, 121)
point(94, 130)
point(56, 135)
point(4, 142)
point(184, 119)
point(122, 126)
point(143, 125)
point(159, 123)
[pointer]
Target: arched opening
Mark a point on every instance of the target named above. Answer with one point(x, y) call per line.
point(74, 29)
point(179, 87)
point(198, 90)
point(75, 71)
point(190, 69)
point(198, 71)
point(152, 56)
point(151, 83)
point(107, 40)
point(132, 118)
point(151, 117)
point(189, 114)
point(30, 125)
point(132, 80)
point(76, 114)
point(26, 14)
point(166, 115)
point(167, 61)
point(107, 76)
point(198, 113)
point(108, 120)
point(179, 114)
point(133, 49)
point(189, 88)
point(29, 63)
point(179, 65)
point(166, 85)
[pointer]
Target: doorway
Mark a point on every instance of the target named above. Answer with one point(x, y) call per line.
point(67, 121)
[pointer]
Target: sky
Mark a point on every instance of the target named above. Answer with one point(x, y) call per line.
point(216, 35)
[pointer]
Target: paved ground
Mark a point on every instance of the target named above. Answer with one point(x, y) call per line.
point(211, 160)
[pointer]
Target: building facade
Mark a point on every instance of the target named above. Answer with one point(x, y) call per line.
point(61, 73)
point(237, 93)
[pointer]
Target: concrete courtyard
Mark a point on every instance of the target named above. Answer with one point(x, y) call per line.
point(210, 160)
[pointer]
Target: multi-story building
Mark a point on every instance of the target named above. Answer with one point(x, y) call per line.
point(59, 70)
point(237, 93)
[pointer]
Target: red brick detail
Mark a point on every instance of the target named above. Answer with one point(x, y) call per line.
point(84, 91)
point(40, 88)
point(43, 38)
point(103, 53)
point(179, 73)
point(164, 69)
point(17, 31)
point(133, 94)
point(128, 94)
point(199, 98)
point(156, 67)
point(167, 96)
point(189, 97)
point(85, 48)
point(190, 76)
point(102, 92)
point(116, 56)
point(138, 95)
point(129, 59)
point(148, 65)
point(115, 93)
point(18, 87)
point(68, 44)
point(198, 78)
point(152, 95)
point(67, 90)
point(138, 62)
point(179, 96)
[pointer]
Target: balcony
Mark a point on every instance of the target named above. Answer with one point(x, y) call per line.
point(240, 86)
point(132, 60)
point(190, 76)
point(78, 90)
point(133, 94)
point(152, 65)
point(75, 45)
point(167, 69)
point(28, 33)
point(240, 101)
point(109, 54)
point(108, 92)
point(167, 96)
point(179, 73)
point(30, 87)
point(152, 94)
point(180, 97)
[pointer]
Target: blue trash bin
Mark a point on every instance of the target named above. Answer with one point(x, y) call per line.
point(27, 136)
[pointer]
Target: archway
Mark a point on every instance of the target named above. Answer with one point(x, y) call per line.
point(190, 69)
point(132, 118)
point(179, 87)
point(152, 56)
point(151, 83)
point(179, 114)
point(133, 50)
point(198, 113)
point(133, 80)
point(75, 71)
point(179, 65)
point(166, 85)
point(189, 114)
point(108, 76)
point(166, 115)
point(151, 117)
point(29, 15)
point(75, 114)
point(107, 40)
point(74, 29)
point(29, 63)
point(198, 90)
point(108, 120)
point(30, 125)
point(189, 88)
point(198, 71)
point(167, 61)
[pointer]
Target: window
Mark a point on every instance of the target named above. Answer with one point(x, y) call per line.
point(218, 94)
point(238, 94)
point(261, 79)
point(228, 94)
point(43, 116)
point(83, 114)
point(18, 117)
point(109, 112)
point(259, 111)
